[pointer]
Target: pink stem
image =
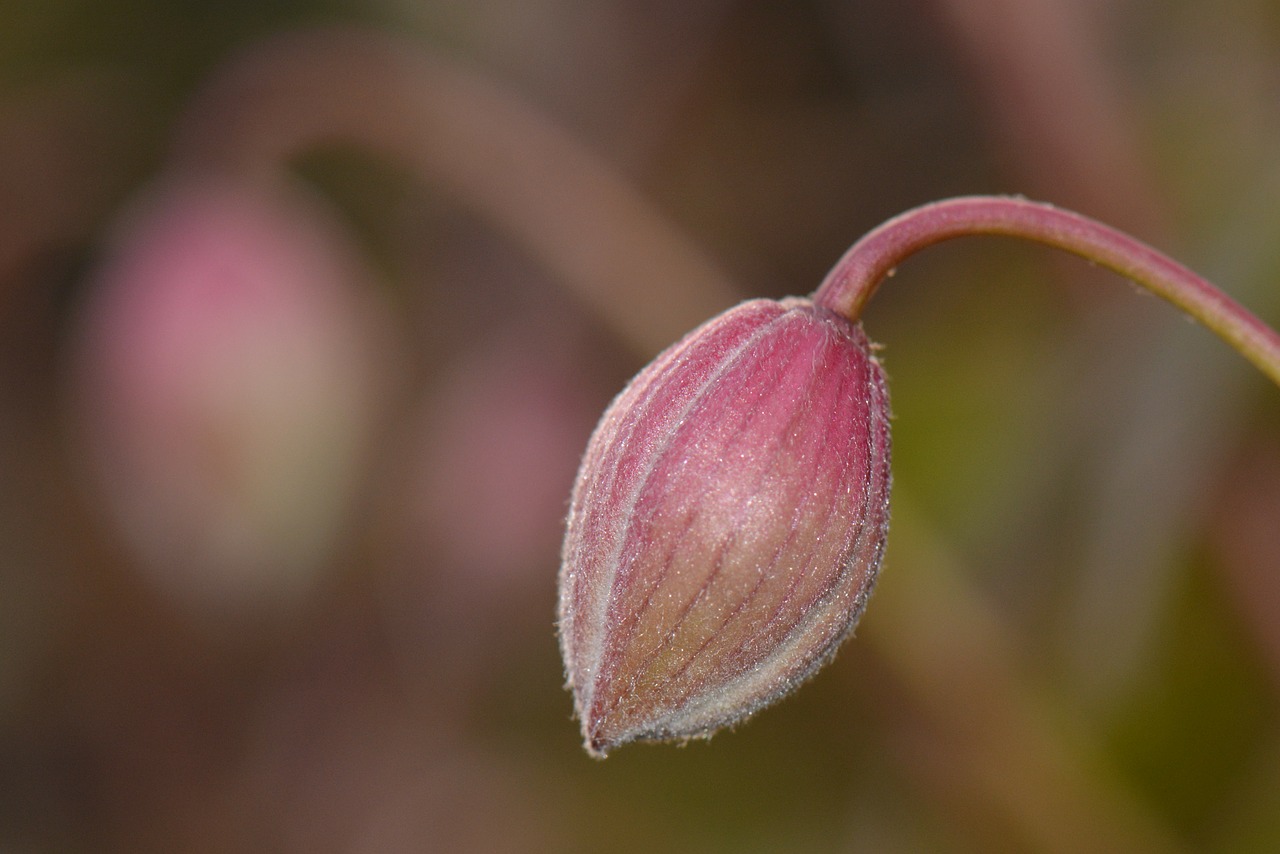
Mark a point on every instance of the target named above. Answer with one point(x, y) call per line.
point(857, 275)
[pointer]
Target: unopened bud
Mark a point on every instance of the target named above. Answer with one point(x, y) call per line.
point(727, 524)
point(228, 372)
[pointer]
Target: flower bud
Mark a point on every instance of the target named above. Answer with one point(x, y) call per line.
point(228, 370)
point(727, 524)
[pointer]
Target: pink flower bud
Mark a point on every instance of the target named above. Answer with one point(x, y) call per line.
point(727, 524)
point(228, 372)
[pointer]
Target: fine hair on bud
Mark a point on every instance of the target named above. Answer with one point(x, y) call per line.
point(727, 524)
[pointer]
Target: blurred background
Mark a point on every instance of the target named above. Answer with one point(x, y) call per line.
point(308, 307)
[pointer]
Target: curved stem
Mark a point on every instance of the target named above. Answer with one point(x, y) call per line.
point(460, 133)
point(857, 275)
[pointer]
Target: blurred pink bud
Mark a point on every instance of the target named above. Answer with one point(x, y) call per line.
point(501, 437)
point(727, 524)
point(478, 509)
point(227, 377)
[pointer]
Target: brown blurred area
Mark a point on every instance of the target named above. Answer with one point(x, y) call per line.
point(307, 309)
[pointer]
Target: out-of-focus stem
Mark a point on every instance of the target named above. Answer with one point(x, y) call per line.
point(458, 132)
point(857, 275)
point(992, 735)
